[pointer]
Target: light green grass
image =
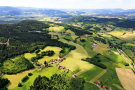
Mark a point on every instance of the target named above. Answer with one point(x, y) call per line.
point(89, 86)
point(91, 73)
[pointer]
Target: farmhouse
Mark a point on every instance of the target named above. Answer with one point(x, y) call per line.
point(104, 86)
point(63, 67)
point(110, 88)
point(94, 45)
point(42, 65)
point(59, 65)
point(109, 53)
point(67, 70)
point(74, 75)
point(98, 82)
point(65, 33)
point(0, 73)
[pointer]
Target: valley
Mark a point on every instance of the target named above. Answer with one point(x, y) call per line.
point(82, 54)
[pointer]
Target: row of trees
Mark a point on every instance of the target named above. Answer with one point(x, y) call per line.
point(57, 82)
point(96, 60)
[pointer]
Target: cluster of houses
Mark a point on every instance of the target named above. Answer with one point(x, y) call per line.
point(67, 70)
point(94, 45)
point(66, 33)
point(104, 87)
point(54, 61)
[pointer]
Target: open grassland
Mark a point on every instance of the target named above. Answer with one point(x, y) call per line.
point(57, 28)
point(73, 60)
point(116, 33)
point(91, 73)
point(72, 34)
point(29, 55)
point(127, 78)
point(129, 54)
point(47, 58)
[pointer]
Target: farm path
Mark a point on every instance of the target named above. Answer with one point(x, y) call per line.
point(7, 43)
point(98, 76)
point(119, 87)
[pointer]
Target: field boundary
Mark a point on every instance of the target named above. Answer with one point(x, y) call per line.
point(119, 87)
point(98, 76)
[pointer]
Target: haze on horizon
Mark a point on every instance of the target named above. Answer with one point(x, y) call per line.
point(71, 4)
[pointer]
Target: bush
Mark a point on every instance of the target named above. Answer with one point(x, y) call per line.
point(38, 64)
point(126, 64)
point(25, 78)
point(30, 74)
point(19, 85)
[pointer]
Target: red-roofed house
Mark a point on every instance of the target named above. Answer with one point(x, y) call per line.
point(98, 82)
point(67, 70)
point(74, 75)
point(51, 62)
point(43, 65)
point(110, 53)
point(104, 86)
point(110, 88)
point(0, 73)
point(63, 67)
point(59, 65)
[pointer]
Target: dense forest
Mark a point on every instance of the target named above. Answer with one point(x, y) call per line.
point(57, 82)
point(24, 38)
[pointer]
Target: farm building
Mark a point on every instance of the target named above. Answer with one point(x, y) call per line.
point(74, 75)
point(42, 65)
point(104, 86)
point(109, 53)
point(110, 88)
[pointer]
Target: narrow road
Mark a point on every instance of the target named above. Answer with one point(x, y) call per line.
point(127, 59)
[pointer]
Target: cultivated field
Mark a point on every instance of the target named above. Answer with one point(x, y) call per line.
point(127, 78)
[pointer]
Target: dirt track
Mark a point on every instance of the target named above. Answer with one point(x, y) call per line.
point(127, 78)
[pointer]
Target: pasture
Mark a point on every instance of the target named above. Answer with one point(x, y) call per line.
point(116, 33)
point(29, 55)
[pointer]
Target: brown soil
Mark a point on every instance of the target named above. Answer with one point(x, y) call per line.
point(127, 78)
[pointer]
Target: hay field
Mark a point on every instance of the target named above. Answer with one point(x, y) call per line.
point(47, 58)
point(127, 78)
point(57, 28)
point(73, 60)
